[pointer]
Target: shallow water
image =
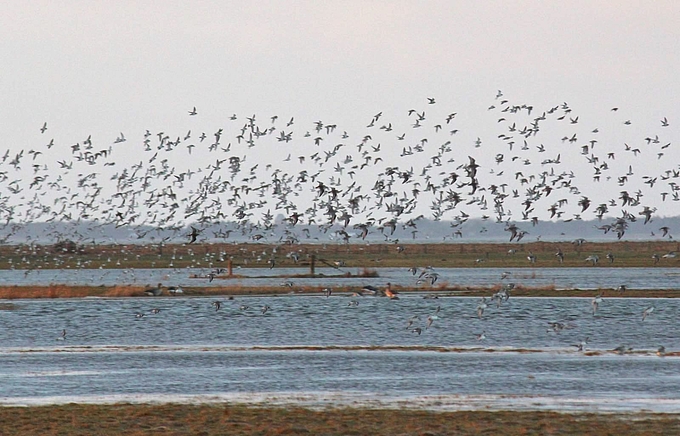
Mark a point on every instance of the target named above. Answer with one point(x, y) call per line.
point(561, 278)
point(317, 351)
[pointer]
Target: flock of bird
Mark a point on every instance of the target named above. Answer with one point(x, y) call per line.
point(497, 300)
point(420, 323)
point(256, 173)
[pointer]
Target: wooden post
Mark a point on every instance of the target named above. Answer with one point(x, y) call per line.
point(312, 264)
point(229, 267)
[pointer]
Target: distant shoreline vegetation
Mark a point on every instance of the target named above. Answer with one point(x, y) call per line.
point(340, 259)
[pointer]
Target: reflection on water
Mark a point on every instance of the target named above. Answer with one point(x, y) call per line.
point(311, 345)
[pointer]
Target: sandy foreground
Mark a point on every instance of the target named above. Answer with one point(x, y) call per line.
point(226, 419)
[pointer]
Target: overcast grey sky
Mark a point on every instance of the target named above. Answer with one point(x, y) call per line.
point(84, 60)
point(100, 68)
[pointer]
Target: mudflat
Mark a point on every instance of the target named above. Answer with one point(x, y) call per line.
point(225, 419)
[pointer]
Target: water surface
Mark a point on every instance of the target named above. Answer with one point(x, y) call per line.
point(318, 351)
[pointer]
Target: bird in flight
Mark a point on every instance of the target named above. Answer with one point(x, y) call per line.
point(595, 303)
point(193, 235)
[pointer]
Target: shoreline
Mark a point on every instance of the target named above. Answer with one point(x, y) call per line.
point(9, 293)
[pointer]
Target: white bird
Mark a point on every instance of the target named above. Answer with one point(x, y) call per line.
point(596, 303)
point(581, 346)
point(594, 258)
point(174, 290)
point(480, 308)
point(648, 311)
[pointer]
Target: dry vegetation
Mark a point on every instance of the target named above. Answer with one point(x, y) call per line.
point(173, 419)
point(228, 290)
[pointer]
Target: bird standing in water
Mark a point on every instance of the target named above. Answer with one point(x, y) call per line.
point(389, 293)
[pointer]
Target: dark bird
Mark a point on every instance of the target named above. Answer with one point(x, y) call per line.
point(154, 292)
point(193, 235)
